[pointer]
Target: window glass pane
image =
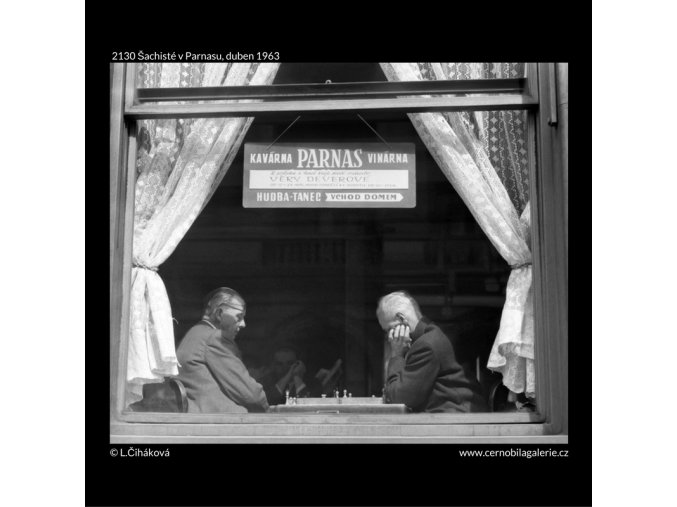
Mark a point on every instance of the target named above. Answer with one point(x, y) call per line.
point(477, 70)
point(191, 75)
point(306, 73)
point(311, 277)
point(292, 73)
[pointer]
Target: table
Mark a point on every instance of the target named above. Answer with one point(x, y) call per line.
point(341, 406)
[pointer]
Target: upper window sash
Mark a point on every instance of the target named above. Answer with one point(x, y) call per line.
point(370, 97)
point(331, 90)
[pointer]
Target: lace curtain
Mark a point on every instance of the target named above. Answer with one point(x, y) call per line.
point(483, 155)
point(180, 163)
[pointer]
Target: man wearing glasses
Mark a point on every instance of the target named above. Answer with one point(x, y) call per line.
point(211, 367)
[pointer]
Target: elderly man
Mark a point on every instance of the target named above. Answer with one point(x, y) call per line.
point(422, 371)
point(286, 373)
point(212, 370)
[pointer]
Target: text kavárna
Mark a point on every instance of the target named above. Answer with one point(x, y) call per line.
point(312, 158)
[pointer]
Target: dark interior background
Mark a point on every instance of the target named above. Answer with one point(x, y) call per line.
point(311, 277)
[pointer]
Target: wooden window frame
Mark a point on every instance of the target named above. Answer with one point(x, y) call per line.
point(535, 93)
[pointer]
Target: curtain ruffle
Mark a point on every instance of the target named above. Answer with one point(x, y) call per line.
point(150, 355)
point(513, 351)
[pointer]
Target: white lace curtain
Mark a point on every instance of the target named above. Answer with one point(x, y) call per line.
point(483, 155)
point(180, 163)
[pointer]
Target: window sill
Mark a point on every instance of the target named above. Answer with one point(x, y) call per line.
point(518, 428)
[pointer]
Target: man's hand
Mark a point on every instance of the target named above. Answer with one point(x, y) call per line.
point(298, 369)
point(295, 374)
point(399, 340)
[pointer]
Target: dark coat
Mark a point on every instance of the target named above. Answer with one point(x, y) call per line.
point(429, 378)
point(274, 396)
point(214, 375)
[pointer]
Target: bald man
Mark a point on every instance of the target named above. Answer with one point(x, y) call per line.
point(422, 370)
point(212, 370)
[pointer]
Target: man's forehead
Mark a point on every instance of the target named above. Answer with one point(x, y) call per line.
point(236, 305)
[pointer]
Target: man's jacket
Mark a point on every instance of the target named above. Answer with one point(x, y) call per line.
point(429, 378)
point(214, 375)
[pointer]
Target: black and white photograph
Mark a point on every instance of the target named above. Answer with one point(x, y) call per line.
point(337, 252)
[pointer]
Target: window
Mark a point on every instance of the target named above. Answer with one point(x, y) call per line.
point(291, 257)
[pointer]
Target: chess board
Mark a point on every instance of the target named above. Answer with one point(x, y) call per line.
point(328, 405)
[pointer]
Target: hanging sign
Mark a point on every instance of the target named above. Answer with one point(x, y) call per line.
point(329, 175)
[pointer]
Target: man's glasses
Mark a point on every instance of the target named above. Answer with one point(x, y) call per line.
point(241, 309)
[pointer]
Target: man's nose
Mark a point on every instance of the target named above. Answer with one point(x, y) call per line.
point(242, 324)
